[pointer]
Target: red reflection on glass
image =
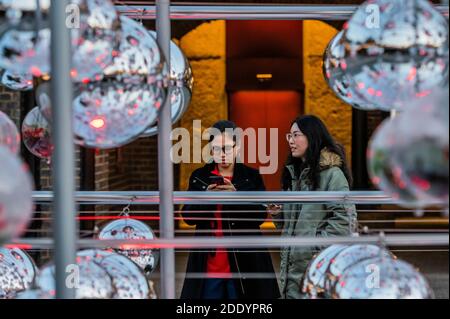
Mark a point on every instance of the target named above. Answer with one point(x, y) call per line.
point(421, 183)
point(98, 123)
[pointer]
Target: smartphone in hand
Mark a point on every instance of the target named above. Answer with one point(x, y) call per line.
point(216, 180)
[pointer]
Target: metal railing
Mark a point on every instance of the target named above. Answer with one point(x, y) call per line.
point(153, 198)
point(202, 11)
point(246, 242)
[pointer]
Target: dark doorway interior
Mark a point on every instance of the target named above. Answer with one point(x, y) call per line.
point(265, 82)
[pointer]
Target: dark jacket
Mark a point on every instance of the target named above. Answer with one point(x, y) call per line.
point(234, 218)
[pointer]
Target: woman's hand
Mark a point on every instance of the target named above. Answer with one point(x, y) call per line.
point(274, 209)
point(227, 187)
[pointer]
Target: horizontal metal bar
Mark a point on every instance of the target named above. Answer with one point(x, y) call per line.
point(255, 11)
point(244, 242)
point(231, 198)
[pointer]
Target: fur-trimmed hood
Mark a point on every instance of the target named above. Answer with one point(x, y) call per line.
point(329, 159)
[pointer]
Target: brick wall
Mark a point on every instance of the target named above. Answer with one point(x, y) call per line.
point(46, 172)
point(141, 163)
point(374, 119)
point(10, 104)
point(133, 167)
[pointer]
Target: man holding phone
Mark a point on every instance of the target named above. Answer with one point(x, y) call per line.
point(221, 271)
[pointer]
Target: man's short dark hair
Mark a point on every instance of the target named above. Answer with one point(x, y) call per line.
point(223, 126)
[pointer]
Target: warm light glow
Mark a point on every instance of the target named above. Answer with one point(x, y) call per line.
point(98, 123)
point(36, 72)
point(73, 73)
point(264, 76)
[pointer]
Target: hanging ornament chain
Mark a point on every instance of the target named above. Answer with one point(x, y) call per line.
point(126, 210)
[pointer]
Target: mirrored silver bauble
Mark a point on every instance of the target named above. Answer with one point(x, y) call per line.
point(396, 51)
point(10, 281)
point(130, 229)
point(25, 37)
point(182, 82)
point(382, 278)
point(26, 52)
point(43, 100)
point(422, 150)
point(9, 134)
point(138, 55)
point(128, 279)
point(348, 257)
point(95, 35)
point(120, 108)
point(110, 115)
point(16, 205)
point(385, 173)
point(16, 82)
point(22, 263)
point(36, 134)
point(95, 40)
point(336, 76)
point(34, 294)
point(314, 278)
point(92, 281)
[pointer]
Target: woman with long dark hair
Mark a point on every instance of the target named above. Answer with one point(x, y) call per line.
point(316, 163)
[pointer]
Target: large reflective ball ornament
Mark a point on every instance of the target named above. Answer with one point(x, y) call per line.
point(94, 282)
point(384, 171)
point(34, 294)
point(314, 280)
point(138, 54)
point(128, 279)
point(423, 148)
point(16, 205)
point(17, 272)
point(25, 37)
point(10, 281)
point(130, 229)
point(110, 115)
point(182, 81)
point(394, 279)
point(117, 110)
point(22, 263)
point(16, 82)
point(43, 100)
point(9, 135)
point(348, 257)
point(96, 40)
point(396, 51)
point(334, 69)
point(27, 52)
point(36, 134)
point(95, 34)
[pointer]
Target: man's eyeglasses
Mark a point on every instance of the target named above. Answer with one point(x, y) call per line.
point(294, 136)
point(227, 149)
